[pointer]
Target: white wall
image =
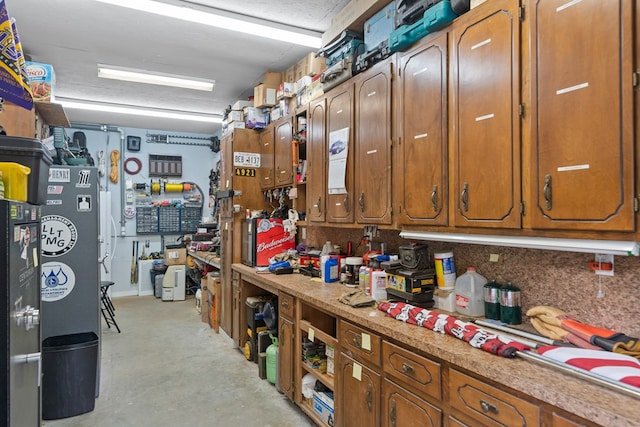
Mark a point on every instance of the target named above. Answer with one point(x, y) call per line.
point(197, 161)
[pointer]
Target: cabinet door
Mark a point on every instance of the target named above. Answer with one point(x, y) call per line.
point(266, 158)
point(373, 145)
point(358, 396)
point(402, 408)
point(286, 357)
point(226, 288)
point(485, 78)
point(423, 134)
point(583, 119)
point(226, 162)
point(283, 156)
point(340, 143)
point(316, 167)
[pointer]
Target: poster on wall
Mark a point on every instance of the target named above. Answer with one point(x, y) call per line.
point(338, 152)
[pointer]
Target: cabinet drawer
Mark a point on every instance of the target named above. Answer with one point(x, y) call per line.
point(359, 343)
point(286, 305)
point(419, 373)
point(489, 405)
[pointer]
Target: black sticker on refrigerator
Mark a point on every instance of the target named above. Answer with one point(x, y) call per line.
point(58, 280)
point(84, 203)
point(59, 235)
point(84, 179)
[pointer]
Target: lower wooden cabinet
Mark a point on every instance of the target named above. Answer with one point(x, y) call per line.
point(357, 398)
point(481, 404)
point(286, 357)
point(402, 408)
point(416, 372)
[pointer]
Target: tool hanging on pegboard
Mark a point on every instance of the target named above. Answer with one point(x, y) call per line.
point(157, 138)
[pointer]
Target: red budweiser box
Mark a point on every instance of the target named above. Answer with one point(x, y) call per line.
point(264, 238)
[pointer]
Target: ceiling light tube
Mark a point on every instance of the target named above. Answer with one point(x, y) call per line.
point(624, 248)
point(224, 20)
point(142, 76)
point(137, 111)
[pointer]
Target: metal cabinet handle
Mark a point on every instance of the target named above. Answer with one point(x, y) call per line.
point(392, 413)
point(465, 197)
point(407, 369)
point(434, 198)
point(488, 407)
point(318, 205)
point(369, 398)
point(285, 304)
point(357, 341)
point(346, 204)
point(361, 202)
point(547, 192)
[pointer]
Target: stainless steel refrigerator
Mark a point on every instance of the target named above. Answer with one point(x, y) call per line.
point(20, 393)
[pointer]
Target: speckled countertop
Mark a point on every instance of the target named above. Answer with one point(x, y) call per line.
point(598, 404)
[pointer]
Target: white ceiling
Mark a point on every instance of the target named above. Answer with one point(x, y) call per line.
point(76, 35)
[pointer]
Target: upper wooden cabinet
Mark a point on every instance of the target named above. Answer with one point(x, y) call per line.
point(282, 154)
point(266, 158)
point(316, 159)
point(340, 137)
point(485, 121)
point(373, 144)
point(276, 168)
point(422, 134)
point(582, 115)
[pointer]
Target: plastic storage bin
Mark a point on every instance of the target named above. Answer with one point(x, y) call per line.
point(15, 177)
point(69, 368)
point(31, 153)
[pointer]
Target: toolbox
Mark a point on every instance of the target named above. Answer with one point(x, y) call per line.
point(376, 37)
point(411, 11)
point(379, 26)
point(422, 299)
point(31, 153)
point(434, 18)
point(347, 45)
point(338, 73)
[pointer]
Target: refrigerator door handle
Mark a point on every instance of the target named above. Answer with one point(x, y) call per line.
point(30, 358)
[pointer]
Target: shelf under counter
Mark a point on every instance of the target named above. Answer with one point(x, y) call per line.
point(323, 378)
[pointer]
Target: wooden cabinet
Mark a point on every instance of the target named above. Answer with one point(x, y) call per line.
point(373, 144)
point(340, 138)
point(403, 408)
point(266, 171)
point(485, 120)
point(226, 287)
point(582, 115)
point(422, 134)
point(415, 372)
point(480, 404)
point(360, 344)
point(286, 342)
point(316, 162)
point(276, 166)
point(358, 394)
point(282, 156)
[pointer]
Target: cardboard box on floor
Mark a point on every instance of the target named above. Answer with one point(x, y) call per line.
point(352, 17)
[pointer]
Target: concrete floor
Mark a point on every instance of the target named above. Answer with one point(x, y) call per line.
point(167, 368)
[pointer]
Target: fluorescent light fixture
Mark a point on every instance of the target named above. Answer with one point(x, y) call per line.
point(142, 76)
point(569, 245)
point(225, 20)
point(138, 111)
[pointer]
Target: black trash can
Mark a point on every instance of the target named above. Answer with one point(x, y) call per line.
point(69, 372)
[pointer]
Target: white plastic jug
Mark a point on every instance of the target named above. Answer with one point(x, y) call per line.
point(470, 293)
